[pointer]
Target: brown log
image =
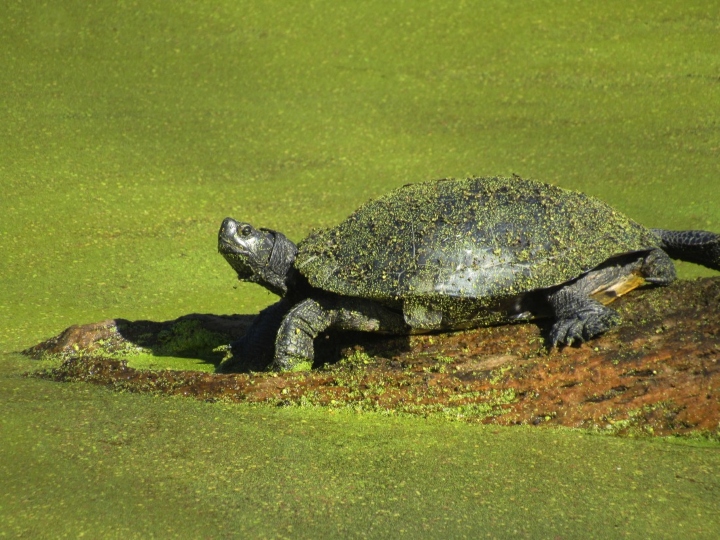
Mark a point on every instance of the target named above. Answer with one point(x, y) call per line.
point(658, 373)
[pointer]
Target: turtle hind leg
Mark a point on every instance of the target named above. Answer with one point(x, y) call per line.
point(579, 307)
point(658, 268)
point(578, 317)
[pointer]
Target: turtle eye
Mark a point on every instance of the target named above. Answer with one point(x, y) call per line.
point(245, 230)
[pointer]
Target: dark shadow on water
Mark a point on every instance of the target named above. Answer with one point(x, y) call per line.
point(333, 346)
point(195, 335)
point(199, 336)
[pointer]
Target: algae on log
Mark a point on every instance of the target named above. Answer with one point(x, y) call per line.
point(657, 374)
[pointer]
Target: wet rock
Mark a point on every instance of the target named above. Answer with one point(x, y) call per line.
point(656, 374)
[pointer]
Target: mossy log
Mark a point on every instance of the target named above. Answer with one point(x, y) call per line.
point(657, 374)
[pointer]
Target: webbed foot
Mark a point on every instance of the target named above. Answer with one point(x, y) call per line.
point(583, 325)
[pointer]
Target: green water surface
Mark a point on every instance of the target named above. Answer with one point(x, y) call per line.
point(129, 130)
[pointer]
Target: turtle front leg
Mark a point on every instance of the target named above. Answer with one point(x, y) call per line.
point(294, 347)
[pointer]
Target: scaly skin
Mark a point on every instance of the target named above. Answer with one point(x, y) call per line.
point(294, 349)
point(578, 317)
point(701, 247)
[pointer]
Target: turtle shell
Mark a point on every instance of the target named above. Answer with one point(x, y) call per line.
point(478, 238)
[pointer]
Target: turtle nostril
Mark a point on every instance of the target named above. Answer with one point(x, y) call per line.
point(229, 227)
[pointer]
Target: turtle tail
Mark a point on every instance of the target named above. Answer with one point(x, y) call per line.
point(701, 247)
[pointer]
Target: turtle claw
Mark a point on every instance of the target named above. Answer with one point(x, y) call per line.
point(583, 326)
point(566, 332)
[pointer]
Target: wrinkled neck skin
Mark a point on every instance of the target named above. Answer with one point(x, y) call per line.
point(279, 275)
point(267, 259)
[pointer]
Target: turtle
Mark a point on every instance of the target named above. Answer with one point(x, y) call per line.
point(448, 255)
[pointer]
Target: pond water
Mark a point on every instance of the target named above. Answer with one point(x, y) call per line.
point(129, 131)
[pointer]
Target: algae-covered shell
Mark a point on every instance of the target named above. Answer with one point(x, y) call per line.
point(472, 238)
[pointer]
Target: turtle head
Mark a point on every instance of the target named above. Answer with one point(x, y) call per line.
point(259, 255)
